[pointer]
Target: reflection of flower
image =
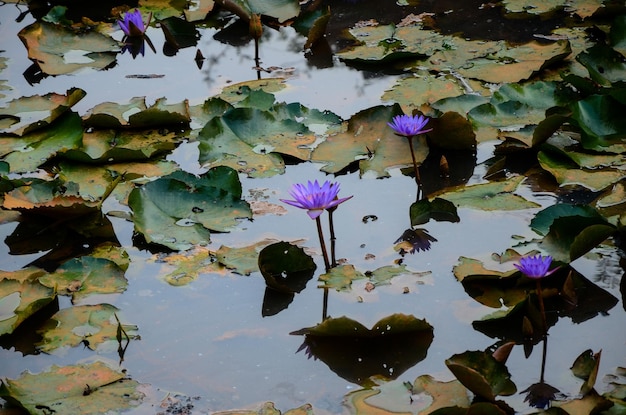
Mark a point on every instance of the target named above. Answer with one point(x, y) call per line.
point(133, 25)
point(409, 125)
point(535, 266)
point(315, 198)
point(539, 395)
point(418, 240)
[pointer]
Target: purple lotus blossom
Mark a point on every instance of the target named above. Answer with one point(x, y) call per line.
point(535, 266)
point(315, 198)
point(409, 125)
point(133, 25)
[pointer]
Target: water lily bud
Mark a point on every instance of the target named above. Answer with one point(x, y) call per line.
point(256, 28)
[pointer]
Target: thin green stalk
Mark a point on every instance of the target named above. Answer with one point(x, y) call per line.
point(331, 225)
point(542, 308)
point(418, 179)
point(322, 243)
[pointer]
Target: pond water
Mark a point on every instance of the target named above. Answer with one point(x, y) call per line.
point(209, 342)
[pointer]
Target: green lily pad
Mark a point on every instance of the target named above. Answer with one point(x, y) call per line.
point(285, 267)
point(188, 265)
point(618, 34)
point(600, 119)
point(27, 153)
point(481, 373)
point(567, 173)
point(384, 275)
point(489, 287)
point(340, 278)
point(438, 209)
point(570, 231)
point(312, 24)
point(92, 388)
point(111, 146)
point(84, 276)
point(389, 43)
point(242, 260)
point(490, 196)
point(369, 141)
point(280, 9)
point(51, 198)
point(137, 114)
point(605, 65)
point(249, 140)
point(178, 210)
point(21, 296)
point(23, 115)
point(58, 50)
point(516, 63)
point(411, 92)
point(90, 325)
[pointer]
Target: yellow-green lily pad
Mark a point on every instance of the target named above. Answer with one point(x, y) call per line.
point(92, 388)
point(91, 325)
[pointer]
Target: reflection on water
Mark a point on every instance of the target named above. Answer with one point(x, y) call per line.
point(209, 339)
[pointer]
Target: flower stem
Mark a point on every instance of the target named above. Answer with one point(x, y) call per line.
point(418, 179)
point(542, 308)
point(331, 225)
point(322, 243)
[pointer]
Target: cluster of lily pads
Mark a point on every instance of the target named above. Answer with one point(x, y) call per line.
point(59, 168)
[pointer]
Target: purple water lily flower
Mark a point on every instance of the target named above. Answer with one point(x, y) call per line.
point(535, 266)
point(315, 198)
point(133, 25)
point(409, 125)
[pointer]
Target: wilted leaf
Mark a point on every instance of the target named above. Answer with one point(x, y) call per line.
point(21, 295)
point(566, 173)
point(91, 325)
point(58, 50)
point(23, 115)
point(189, 264)
point(81, 277)
point(81, 389)
point(136, 114)
point(114, 146)
point(490, 196)
point(340, 277)
point(27, 153)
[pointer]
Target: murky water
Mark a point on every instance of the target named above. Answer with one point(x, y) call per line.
point(209, 338)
